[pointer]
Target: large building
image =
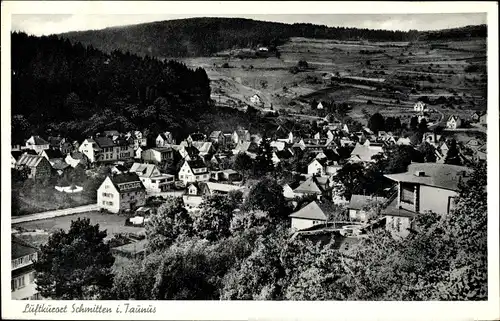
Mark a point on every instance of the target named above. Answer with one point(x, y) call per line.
point(123, 192)
point(107, 149)
point(151, 177)
point(39, 166)
point(424, 187)
point(22, 284)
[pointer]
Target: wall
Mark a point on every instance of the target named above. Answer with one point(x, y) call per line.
point(108, 187)
point(299, 224)
point(434, 199)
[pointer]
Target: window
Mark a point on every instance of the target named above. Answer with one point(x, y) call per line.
point(407, 194)
point(18, 283)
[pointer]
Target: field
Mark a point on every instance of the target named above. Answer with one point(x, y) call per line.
point(112, 223)
point(373, 76)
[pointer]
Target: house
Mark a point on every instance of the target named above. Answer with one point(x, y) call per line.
point(256, 100)
point(420, 107)
point(256, 138)
point(281, 155)
point(453, 122)
point(15, 155)
point(226, 175)
point(283, 135)
point(423, 187)
point(196, 137)
point(23, 283)
point(113, 134)
point(151, 177)
point(431, 138)
point(364, 154)
point(359, 204)
point(308, 187)
point(240, 136)
point(246, 147)
point(37, 144)
point(157, 155)
point(39, 166)
point(193, 171)
point(60, 166)
point(475, 117)
point(138, 152)
point(121, 193)
point(345, 142)
point(319, 106)
point(164, 139)
point(308, 216)
point(52, 155)
point(278, 145)
point(204, 148)
point(288, 191)
point(187, 151)
point(193, 196)
point(483, 119)
point(404, 141)
point(473, 144)
point(76, 158)
point(217, 137)
point(480, 154)
point(317, 167)
point(118, 169)
point(61, 144)
point(218, 188)
point(105, 149)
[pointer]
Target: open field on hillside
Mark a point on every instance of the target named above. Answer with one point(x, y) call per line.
point(373, 76)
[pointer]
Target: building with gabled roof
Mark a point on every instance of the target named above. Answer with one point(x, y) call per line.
point(454, 122)
point(218, 137)
point(76, 158)
point(37, 143)
point(23, 275)
point(194, 171)
point(308, 216)
point(164, 139)
point(123, 192)
point(151, 177)
point(309, 186)
point(157, 155)
point(364, 154)
point(39, 166)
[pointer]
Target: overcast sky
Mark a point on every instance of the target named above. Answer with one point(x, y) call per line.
point(45, 24)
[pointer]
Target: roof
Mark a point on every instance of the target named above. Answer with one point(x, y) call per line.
point(37, 140)
point(365, 153)
point(226, 188)
point(164, 135)
point(438, 175)
point(126, 178)
point(203, 147)
point(143, 170)
point(111, 133)
point(197, 163)
point(78, 155)
point(197, 136)
point(59, 165)
point(215, 134)
point(162, 149)
point(357, 202)
point(20, 248)
point(104, 142)
point(16, 153)
point(281, 132)
point(311, 211)
point(308, 187)
point(53, 153)
point(30, 160)
point(229, 171)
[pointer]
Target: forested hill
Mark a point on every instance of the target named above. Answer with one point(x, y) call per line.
point(205, 36)
point(78, 90)
point(479, 31)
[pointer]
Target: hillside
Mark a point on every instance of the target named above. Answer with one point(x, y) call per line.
point(206, 36)
point(77, 90)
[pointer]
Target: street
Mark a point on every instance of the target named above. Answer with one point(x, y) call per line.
point(55, 213)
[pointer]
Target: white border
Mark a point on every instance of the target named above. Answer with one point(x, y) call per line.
point(181, 310)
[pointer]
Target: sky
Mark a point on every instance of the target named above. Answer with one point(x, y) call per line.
point(45, 24)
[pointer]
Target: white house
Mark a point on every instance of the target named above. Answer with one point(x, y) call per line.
point(454, 122)
point(194, 171)
point(121, 192)
point(23, 283)
point(37, 143)
point(164, 139)
point(420, 107)
point(105, 149)
point(157, 154)
point(317, 167)
point(256, 100)
point(288, 191)
point(320, 106)
point(308, 216)
point(151, 177)
point(241, 135)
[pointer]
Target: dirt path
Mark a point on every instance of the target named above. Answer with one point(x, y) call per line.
point(55, 213)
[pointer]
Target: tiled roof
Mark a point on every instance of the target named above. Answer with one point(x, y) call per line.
point(357, 202)
point(59, 165)
point(308, 187)
point(365, 153)
point(30, 160)
point(311, 211)
point(104, 142)
point(143, 170)
point(202, 147)
point(438, 175)
point(39, 140)
point(20, 248)
point(197, 163)
point(126, 178)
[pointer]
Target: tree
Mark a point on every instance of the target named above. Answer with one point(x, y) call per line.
point(453, 154)
point(267, 195)
point(428, 152)
point(376, 123)
point(243, 163)
point(263, 161)
point(75, 265)
point(245, 220)
point(400, 156)
point(422, 126)
point(351, 176)
point(414, 123)
point(213, 220)
point(170, 221)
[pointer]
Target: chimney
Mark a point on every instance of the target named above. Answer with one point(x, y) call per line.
point(419, 173)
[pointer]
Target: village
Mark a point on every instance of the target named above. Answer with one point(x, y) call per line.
point(138, 176)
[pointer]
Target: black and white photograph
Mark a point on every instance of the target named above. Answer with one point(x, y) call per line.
point(228, 157)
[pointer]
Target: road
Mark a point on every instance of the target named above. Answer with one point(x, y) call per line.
point(55, 213)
